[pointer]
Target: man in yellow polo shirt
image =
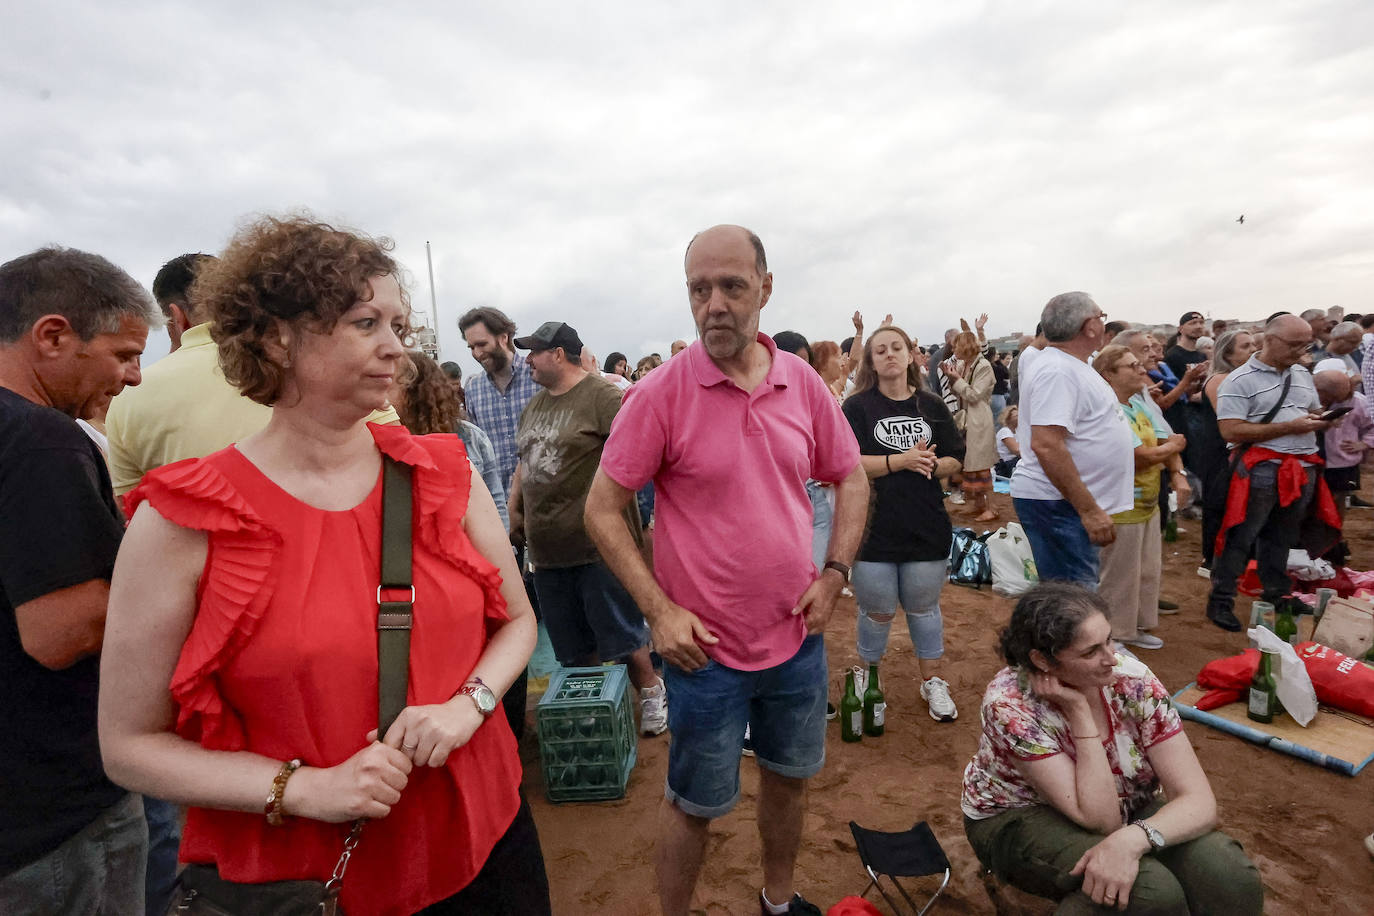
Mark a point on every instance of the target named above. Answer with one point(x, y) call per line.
point(185, 407)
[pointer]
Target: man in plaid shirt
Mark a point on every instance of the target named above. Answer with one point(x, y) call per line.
point(497, 397)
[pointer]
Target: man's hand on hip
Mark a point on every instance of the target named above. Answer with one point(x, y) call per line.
point(818, 601)
point(678, 634)
point(1098, 524)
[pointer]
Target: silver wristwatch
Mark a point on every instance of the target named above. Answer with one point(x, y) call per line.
point(1154, 836)
point(481, 695)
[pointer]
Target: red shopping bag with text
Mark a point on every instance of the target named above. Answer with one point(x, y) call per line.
point(1340, 681)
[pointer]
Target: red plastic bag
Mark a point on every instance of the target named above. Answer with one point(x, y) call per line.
point(853, 906)
point(1340, 680)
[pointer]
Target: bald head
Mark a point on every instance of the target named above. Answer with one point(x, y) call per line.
point(728, 230)
point(1286, 339)
point(1333, 386)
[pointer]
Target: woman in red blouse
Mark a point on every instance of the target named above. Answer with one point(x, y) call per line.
point(242, 626)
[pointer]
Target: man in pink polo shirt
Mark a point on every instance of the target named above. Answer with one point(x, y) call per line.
point(729, 432)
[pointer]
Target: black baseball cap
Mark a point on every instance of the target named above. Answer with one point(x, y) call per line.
point(1187, 317)
point(552, 334)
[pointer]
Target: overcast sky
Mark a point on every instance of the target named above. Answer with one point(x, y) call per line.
point(928, 159)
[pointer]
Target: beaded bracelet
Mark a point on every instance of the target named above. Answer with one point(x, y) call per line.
point(273, 809)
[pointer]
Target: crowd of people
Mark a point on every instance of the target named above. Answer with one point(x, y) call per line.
point(231, 630)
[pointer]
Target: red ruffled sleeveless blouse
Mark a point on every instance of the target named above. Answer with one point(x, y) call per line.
point(282, 660)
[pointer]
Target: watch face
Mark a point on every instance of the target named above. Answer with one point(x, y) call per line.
point(486, 700)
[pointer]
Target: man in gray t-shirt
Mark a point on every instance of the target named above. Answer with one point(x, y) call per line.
point(1244, 401)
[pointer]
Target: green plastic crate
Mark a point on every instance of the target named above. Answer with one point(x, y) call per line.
point(587, 738)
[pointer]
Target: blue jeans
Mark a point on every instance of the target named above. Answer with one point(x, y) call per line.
point(784, 707)
point(877, 589)
point(164, 838)
point(998, 403)
point(1058, 541)
point(98, 871)
point(822, 513)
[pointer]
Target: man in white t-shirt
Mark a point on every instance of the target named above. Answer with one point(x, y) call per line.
point(1077, 462)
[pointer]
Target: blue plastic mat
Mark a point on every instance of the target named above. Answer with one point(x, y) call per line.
point(1336, 741)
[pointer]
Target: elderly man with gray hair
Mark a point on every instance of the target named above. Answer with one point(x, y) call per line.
point(1268, 410)
point(1077, 461)
point(1342, 351)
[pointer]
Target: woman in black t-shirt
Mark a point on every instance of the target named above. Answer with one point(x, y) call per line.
point(908, 441)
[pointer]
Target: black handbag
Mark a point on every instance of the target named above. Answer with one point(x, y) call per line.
point(199, 890)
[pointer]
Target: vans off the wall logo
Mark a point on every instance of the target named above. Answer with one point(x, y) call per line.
point(901, 433)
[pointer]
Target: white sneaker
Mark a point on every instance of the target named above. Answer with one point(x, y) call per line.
point(1142, 640)
point(957, 497)
point(936, 694)
point(1204, 572)
point(653, 710)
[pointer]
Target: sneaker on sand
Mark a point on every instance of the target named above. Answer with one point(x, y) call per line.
point(936, 694)
point(1204, 571)
point(957, 497)
point(1142, 640)
point(797, 906)
point(653, 710)
point(1167, 607)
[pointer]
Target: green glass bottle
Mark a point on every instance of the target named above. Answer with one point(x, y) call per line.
point(1285, 627)
point(851, 711)
point(1171, 530)
point(1264, 697)
point(875, 707)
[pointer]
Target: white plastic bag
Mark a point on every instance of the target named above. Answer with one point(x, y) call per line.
point(1296, 693)
point(1013, 566)
point(1302, 566)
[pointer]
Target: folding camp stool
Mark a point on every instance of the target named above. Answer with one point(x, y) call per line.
point(912, 853)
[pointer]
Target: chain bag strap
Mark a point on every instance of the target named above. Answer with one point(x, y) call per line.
point(200, 890)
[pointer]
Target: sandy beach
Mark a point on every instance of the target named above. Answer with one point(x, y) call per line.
point(1301, 824)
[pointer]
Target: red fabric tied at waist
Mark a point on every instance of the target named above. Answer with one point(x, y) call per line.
point(1292, 475)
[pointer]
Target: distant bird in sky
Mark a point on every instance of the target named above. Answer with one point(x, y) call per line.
point(1241, 219)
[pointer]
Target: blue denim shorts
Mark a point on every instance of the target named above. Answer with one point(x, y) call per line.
point(784, 707)
point(588, 612)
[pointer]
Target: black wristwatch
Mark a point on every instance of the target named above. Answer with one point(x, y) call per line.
point(838, 567)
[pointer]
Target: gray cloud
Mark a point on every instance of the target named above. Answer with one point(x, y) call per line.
point(931, 160)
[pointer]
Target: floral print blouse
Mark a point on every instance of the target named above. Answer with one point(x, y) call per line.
point(1017, 724)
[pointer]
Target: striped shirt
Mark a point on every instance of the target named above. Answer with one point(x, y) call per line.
point(1249, 393)
point(498, 412)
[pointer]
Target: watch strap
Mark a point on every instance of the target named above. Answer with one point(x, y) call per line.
point(839, 567)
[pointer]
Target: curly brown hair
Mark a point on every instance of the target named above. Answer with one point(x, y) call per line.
point(428, 403)
point(293, 270)
point(1046, 618)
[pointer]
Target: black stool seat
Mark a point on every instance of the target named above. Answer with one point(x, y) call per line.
point(912, 853)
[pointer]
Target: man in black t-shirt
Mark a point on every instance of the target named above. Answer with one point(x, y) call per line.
point(72, 329)
point(1184, 353)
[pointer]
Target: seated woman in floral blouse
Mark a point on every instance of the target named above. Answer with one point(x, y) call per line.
point(1063, 798)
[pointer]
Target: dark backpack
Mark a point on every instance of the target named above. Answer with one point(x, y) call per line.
point(969, 563)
